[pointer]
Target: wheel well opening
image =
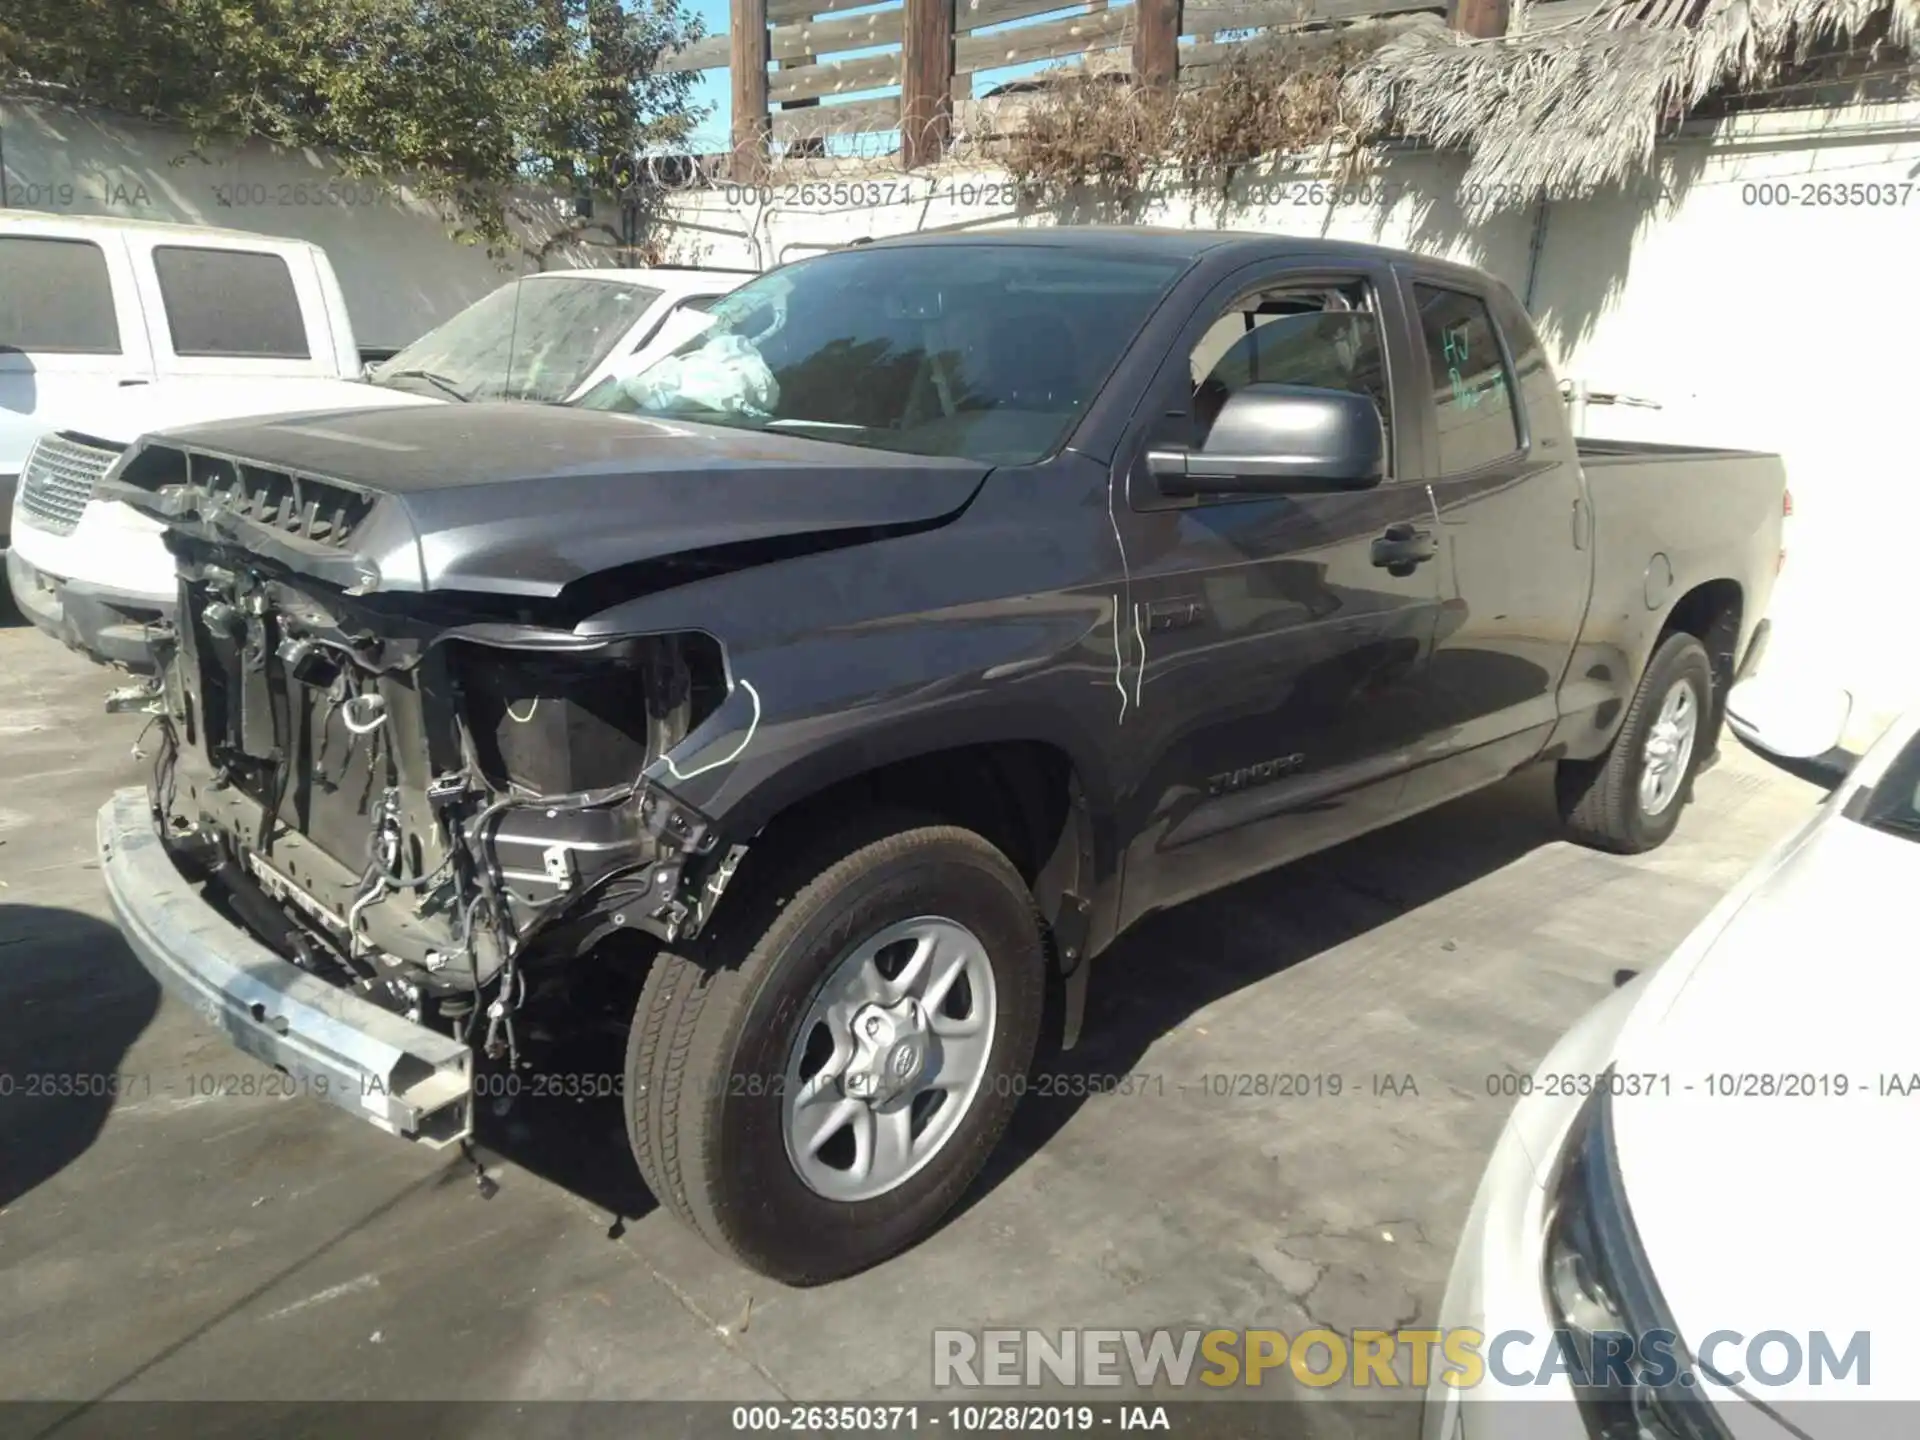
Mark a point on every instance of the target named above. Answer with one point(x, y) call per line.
point(1711, 613)
point(1016, 794)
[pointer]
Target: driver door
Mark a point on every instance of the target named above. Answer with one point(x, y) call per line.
point(1279, 652)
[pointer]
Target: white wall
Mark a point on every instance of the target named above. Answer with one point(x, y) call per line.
point(400, 270)
point(1793, 328)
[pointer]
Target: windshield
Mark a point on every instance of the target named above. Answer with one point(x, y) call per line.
point(982, 352)
point(1893, 805)
point(535, 339)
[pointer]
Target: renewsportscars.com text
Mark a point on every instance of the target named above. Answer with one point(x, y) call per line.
point(1463, 1359)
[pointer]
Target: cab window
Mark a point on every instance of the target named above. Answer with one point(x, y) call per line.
point(1478, 423)
point(1327, 337)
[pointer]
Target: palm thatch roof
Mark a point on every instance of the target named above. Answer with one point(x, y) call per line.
point(1577, 106)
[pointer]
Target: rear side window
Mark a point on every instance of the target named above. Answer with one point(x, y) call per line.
point(232, 304)
point(1472, 391)
point(55, 297)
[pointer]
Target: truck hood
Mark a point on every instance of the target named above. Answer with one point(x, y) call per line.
point(1767, 1211)
point(138, 409)
point(523, 499)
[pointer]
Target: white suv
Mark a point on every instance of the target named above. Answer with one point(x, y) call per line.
point(113, 329)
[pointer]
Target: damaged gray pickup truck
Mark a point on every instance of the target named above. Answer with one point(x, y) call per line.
point(828, 695)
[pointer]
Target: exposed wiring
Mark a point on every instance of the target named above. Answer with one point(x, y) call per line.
point(373, 879)
point(473, 965)
point(513, 994)
point(1126, 579)
point(374, 705)
point(145, 730)
point(373, 885)
point(731, 756)
point(1140, 671)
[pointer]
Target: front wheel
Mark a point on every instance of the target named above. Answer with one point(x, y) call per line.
point(816, 1090)
point(1629, 799)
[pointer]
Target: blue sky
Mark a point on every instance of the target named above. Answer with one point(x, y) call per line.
point(710, 86)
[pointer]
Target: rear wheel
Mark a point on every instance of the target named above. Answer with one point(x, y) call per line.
point(815, 1090)
point(1629, 799)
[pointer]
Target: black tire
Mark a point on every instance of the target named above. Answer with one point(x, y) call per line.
point(708, 1052)
point(1600, 798)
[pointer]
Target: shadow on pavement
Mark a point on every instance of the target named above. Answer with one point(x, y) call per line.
point(72, 1000)
point(1181, 960)
point(563, 1121)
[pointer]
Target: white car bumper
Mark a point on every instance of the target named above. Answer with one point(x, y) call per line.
point(1497, 1284)
point(95, 589)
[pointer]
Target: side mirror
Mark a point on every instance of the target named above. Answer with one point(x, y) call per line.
point(1800, 728)
point(1281, 440)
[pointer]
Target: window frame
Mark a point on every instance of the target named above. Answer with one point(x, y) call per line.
point(115, 308)
point(1170, 395)
point(1265, 295)
point(1418, 278)
point(174, 347)
point(669, 308)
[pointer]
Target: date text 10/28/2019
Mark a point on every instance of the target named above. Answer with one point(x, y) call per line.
point(199, 1085)
point(883, 1419)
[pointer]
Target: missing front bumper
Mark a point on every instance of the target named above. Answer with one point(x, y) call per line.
point(408, 1080)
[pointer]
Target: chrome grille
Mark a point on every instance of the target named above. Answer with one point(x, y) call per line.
point(58, 481)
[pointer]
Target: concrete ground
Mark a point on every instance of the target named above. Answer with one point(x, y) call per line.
point(171, 1244)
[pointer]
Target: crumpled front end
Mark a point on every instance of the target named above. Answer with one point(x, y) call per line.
point(422, 804)
point(433, 807)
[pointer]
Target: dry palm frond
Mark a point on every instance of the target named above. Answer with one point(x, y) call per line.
point(1571, 109)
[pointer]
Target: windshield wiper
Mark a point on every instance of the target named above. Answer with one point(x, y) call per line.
point(439, 382)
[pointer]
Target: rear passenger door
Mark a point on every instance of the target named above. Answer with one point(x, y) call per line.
point(222, 308)
point(1515, 575)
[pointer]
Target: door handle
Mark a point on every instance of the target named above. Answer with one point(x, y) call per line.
point(1175, 614)
point(1399, 548)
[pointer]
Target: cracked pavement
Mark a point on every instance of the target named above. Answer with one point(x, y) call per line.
point(186, 1238)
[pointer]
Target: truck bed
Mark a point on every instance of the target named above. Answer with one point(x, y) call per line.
point(1682, 504)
